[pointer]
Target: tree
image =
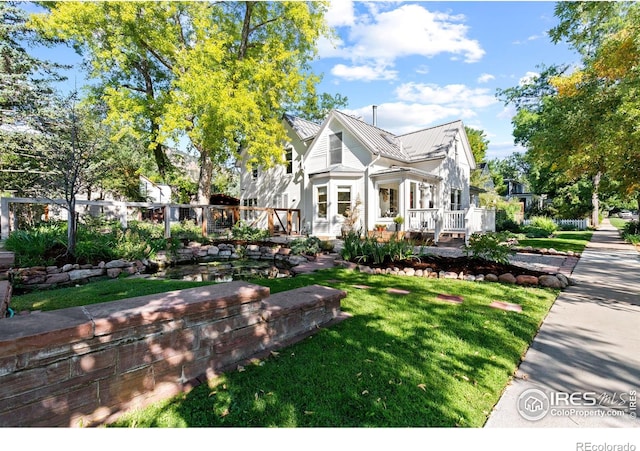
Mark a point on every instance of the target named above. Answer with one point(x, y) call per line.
point(479, 144)
point(63, 155)
point(220, 74)
point(25, 88)
point(584, 121)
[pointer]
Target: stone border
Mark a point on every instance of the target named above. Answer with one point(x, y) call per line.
point(557, 280)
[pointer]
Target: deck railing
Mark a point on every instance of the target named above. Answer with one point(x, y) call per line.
point(212, 218)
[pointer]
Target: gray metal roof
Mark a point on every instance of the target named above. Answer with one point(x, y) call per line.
point(336, 168)
point(409, 170)
point(431, 142)
point(304, 129)
point(378, 140)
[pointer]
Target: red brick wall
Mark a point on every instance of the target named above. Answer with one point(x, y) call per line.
point(86, 365)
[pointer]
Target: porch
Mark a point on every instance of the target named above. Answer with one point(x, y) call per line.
point(451, 222)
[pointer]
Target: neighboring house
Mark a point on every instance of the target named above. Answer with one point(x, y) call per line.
point(422, 176)
point(520, 192)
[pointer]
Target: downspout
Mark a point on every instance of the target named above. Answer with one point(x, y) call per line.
point(366, 191)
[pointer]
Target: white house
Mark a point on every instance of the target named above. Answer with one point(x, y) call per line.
point(422, 176)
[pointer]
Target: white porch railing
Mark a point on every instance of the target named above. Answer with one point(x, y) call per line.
point(423, 219)
point(439, 221)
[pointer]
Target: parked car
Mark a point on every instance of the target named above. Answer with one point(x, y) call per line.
point(625, 214)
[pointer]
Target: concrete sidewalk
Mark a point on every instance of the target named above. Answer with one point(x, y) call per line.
point(588, 347)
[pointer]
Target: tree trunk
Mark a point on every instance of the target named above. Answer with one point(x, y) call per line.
point(206, 174)
point(71, 228)
point(595, 201)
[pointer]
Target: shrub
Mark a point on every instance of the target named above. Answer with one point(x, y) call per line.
point(308, 246)
point(506, 223)
point(631, 232)
point(490, 246)
point(540, 227)
point(33, 246)
point(243, 231)
point(369, 250)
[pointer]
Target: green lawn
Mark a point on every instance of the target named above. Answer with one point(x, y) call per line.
point(95, 292)
point(400, 361)
point(563, 241)
point(618, 223)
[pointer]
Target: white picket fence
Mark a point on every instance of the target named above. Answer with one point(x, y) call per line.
point(580, 224)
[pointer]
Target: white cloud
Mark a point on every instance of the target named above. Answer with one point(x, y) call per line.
point(529, 77)
point(363, 73)
point(485, 78)
point(455, 95)
point(340, 13)
point(382, 34)
point(403, 117)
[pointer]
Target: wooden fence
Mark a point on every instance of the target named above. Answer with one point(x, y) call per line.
point(212, 218)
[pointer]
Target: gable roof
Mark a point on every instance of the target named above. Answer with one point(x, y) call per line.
point(427, 144)
point(304, 129)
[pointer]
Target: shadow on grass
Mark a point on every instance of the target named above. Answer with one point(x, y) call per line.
point(400, 361)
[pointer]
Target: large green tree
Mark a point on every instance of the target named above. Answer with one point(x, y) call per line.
point(583, 123)
point(219, 74)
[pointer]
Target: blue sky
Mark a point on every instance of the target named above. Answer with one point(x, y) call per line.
point(426, 63)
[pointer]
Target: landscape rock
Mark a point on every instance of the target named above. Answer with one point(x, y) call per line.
point(450, 275)
point(58, 278)
point(479, 277)
point(491, 278)
point(507, 278)
point(117, 264)
point(410, 271)
point(563, 280)
point(526, 280)
point(68, 267)
point(78, 274)
point(114, 272)
point(549, 281)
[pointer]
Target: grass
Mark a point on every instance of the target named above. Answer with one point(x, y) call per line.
point(618, 223)
point(563, 241)
point(95, 292)
point(400, 361)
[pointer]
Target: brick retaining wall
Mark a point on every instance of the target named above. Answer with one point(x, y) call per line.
point(86, 365)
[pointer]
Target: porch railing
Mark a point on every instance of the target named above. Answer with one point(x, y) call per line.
point(437, 221)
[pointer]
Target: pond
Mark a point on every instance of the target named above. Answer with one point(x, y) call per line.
point(226, 271)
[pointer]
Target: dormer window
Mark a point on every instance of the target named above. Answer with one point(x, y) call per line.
point(335, 148)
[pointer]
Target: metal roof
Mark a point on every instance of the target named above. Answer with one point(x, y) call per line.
point(433, 142)
point(429, 143)
point(425, 144)
point(378, 140)
point(337, 168)
point(304, 129)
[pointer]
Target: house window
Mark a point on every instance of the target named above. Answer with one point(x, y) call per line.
point(388, 200)
point(456, 196)
point(414, 195)
point(254, 171)
point(288, 156)
point(335, 148)
point(321, 200)
point(344, 199)
point(253, 202)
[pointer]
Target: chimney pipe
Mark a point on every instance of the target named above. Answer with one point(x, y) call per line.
point(375, 115)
